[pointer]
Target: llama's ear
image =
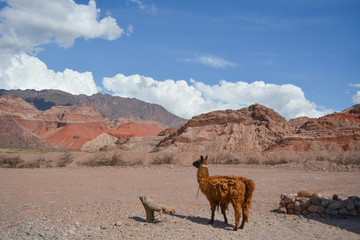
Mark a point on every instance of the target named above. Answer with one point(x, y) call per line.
point(201, 158)
point(206, 157)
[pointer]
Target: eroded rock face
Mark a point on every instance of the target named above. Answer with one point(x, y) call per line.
point(65, 126)
point(260, 129)
point(255, 129)
point(335, 132)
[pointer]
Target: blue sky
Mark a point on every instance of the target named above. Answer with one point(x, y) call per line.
point(299, 57)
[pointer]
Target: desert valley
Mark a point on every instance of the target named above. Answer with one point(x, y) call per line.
point(73, 167)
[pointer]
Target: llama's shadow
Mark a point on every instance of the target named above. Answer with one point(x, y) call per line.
point(138, 219)
point(194, 219)
point(205, 221)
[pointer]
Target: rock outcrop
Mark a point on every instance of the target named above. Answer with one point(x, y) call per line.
point(64, 126)
point(260, 129)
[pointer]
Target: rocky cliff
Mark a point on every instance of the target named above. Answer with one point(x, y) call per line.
point(260, 129)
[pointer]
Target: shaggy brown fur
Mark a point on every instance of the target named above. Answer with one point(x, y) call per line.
point(222, 190)
point(151, 207)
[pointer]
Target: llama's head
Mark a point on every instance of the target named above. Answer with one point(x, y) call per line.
point(200, 162)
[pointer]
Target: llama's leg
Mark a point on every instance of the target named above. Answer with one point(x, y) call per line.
point(213, 208)
point(246, 212)
point(237, 208)
point(223, 211)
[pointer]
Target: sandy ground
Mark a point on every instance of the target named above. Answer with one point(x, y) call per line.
point(85, 203)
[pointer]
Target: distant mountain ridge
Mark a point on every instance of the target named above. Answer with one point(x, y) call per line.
point(109, 106)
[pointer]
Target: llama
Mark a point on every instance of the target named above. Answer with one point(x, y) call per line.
point(222, 190)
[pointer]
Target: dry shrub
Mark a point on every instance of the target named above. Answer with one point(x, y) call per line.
point(342, 158)
point(253, 160)
point(64, 160)
point(163, 159)
point(17, 162)
point(38, 163)
point(114, 160)
point(273, 162)
point(10, 162)
point(225, 158)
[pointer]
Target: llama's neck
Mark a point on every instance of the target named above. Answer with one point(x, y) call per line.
point(203, 176)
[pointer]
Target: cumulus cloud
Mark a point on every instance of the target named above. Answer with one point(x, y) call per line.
point(25, 25)
point(188, 99)
point(356, 97)
point(212, 61)
point(22, 71)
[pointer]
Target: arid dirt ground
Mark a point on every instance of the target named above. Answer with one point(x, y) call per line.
point(85, 203)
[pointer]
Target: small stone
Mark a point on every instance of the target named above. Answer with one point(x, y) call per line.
point(290, 211)
point(288, 199)
point(297, 206)
point(298, 213)
point(350, 205)
point(77, 224)
point(331, 211)
point(103, 227)
point(315, 200)
point(353, 212)
point(71, 232)
point(306, 204)
point(290, 206)
point(118, 224)
point(313, 209)
point(305, 212)
point(343, 211)
point(282, 210)
point(282, 203)
point(337, 205)
point(335, 197)
point(325, 202)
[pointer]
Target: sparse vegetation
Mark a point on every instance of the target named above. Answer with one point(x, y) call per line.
point(164, 159)
point(64, 160)
point(10, 162)
point(115, 160)
point(38, 163)
point(342, 158)
point(253, 160)
point(273, 162)
point(225, 158)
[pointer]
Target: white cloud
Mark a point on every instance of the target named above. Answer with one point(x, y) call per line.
point(356, 97)
point(212, 61)
point(26, 25)
point(21, 71)
point(187, 100)
point(149, 8)
point(129, 30)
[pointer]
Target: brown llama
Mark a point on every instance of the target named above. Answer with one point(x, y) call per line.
point(222, 190)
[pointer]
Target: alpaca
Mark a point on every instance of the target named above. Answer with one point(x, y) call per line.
point(222, 190)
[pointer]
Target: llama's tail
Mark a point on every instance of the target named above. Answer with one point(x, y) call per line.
point(249, 187)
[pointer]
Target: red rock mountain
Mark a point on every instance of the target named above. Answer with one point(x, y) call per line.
point(260, 129)
point(111, 107)
point(23, 125)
